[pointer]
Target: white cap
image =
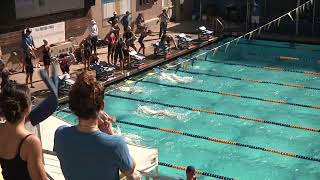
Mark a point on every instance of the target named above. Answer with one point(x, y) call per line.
point(132, 53)
point(112, 29)
point(114, 13)
point(202, 28)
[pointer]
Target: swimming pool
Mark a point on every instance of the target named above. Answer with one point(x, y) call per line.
point(244, 94)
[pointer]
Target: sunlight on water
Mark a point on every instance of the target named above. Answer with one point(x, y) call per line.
point(128, 137)
point(151, 111)
point(175, 78)
point(131, 90)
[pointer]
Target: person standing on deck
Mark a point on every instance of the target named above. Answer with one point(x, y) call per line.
point(29, 67)
point(255, 18)
point(143, 35)
point(163, 18)
point(86, 50)
point(28, 44)
point(130, 38)
point(140, 23)
point(125, 21)
point(112, 40)
point(94, 32)
point(46, 58)
point(113, 19)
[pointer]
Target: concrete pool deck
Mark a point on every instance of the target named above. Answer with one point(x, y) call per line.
point(40, 90)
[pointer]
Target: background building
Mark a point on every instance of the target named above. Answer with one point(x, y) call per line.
point(235, 11)
point(58, 20)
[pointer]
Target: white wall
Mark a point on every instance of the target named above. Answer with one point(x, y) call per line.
point(34, 8)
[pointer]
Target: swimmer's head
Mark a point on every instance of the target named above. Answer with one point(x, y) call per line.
point(190, 172)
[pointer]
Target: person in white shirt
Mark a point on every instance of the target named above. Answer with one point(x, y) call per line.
point(94, 32)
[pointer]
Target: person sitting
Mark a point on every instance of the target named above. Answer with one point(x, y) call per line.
point(21, 151)
point(129, 38)
point(191, 173)
point(89, 150)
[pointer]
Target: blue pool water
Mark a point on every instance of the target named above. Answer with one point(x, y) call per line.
point(224, 159)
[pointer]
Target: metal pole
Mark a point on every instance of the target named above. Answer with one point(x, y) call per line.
point(200, 10)
point(265, 10)
point(297, 18)
point(314, 15)
point(248, 16)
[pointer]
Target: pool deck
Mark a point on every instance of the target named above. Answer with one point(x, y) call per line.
point(40, 90)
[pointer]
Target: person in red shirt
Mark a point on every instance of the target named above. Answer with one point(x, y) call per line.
point(111, 37)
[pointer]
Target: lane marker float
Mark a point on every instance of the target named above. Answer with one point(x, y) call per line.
point(217, 113)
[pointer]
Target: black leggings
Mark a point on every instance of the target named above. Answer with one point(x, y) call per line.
point(94, 42)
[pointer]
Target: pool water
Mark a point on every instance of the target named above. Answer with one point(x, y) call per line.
point(224, 159)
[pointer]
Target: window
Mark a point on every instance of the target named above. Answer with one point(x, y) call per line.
point(119, 6)
point(145, 1)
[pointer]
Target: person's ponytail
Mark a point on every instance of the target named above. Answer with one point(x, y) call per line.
point(15, 99)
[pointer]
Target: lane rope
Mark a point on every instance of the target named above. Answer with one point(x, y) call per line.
point(222, 141)
point(260, 67)
point(197, 171)
point(248, 80)
point(218, 113)
point(233, 95)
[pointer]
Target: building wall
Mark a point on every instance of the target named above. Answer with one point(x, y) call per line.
point(76, 23)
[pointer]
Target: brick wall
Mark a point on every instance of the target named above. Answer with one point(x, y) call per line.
point(76, 23)
point(10, 35)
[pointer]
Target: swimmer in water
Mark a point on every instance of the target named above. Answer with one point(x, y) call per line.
point(131, 90)
point(176, 78)
point(153, 112)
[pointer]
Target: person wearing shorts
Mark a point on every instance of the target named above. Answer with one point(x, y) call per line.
point(129, 38)
point(29, 68)
point(143, 35)
point(86, 47)
point(112, 40)
point(119, 52)
point(46, 56)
